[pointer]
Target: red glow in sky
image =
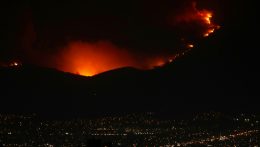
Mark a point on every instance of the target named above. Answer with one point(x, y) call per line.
point(89, 59)
point(92, 58)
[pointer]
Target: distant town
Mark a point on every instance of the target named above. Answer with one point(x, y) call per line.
point(139, 129)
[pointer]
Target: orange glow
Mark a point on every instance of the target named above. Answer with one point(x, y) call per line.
point(159, 63)
point(190, 45)
point(89, 59)
point(92, 58)
point(207, 16)
point(15, 64)
point(202, 17)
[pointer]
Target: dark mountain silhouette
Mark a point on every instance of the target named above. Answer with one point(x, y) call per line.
point(207, 78)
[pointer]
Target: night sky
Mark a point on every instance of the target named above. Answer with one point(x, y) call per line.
point(140, 34)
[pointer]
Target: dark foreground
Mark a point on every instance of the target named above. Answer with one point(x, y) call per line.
point(142, 129)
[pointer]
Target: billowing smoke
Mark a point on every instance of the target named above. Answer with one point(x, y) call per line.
point(91, 40)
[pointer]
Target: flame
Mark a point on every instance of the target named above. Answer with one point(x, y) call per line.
point(206, 15)
point(201, 17)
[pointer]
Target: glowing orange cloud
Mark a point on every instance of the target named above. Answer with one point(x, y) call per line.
point(92, 58)
point(89, 59)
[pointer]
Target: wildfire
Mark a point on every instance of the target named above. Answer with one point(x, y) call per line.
point(201, 17)
point(91, 58)
point(207, 16)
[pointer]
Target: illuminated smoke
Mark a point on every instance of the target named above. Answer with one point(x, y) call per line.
point(88, 59)
point(91, 58)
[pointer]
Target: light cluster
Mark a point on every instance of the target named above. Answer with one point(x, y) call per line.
point(145, 129)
